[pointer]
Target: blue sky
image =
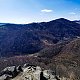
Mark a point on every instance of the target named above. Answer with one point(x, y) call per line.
point(27, 11)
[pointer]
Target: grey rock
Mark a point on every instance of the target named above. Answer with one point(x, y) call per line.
point(49, 75)
point(10, 71)
point(27, 73)
point(5, 77)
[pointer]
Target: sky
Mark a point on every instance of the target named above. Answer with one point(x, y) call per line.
point(28, 11)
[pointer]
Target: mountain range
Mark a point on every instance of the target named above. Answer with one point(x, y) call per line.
point(21, 39)
point(51, 45)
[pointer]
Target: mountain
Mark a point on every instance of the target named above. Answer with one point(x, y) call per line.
point(63, 58)
point(53, 45)
point(19, 39)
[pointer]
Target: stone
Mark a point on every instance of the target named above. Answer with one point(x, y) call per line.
point(27, 73)
point(10, 71)
point(5, 77)
point(48, 74)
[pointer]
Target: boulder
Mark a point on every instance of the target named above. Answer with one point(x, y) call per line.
point(5, 77)
point(37, 73)
point(10, 71)
point(49, 75)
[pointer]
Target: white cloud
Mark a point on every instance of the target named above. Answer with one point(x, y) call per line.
point(73, 13)
point(46, 10)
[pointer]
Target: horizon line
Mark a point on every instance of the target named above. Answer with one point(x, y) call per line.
point(35, 21)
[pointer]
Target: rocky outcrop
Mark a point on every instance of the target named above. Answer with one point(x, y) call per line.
point(5, 77)
point(27, 73)
point(10, 72)
point(36, 73)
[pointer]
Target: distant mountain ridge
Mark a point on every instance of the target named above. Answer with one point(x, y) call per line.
point(77, 21)
point(18, 39)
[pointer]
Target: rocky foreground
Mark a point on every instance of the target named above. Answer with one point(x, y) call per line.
point(28, 73)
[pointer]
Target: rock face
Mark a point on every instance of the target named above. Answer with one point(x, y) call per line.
point(28, 73)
